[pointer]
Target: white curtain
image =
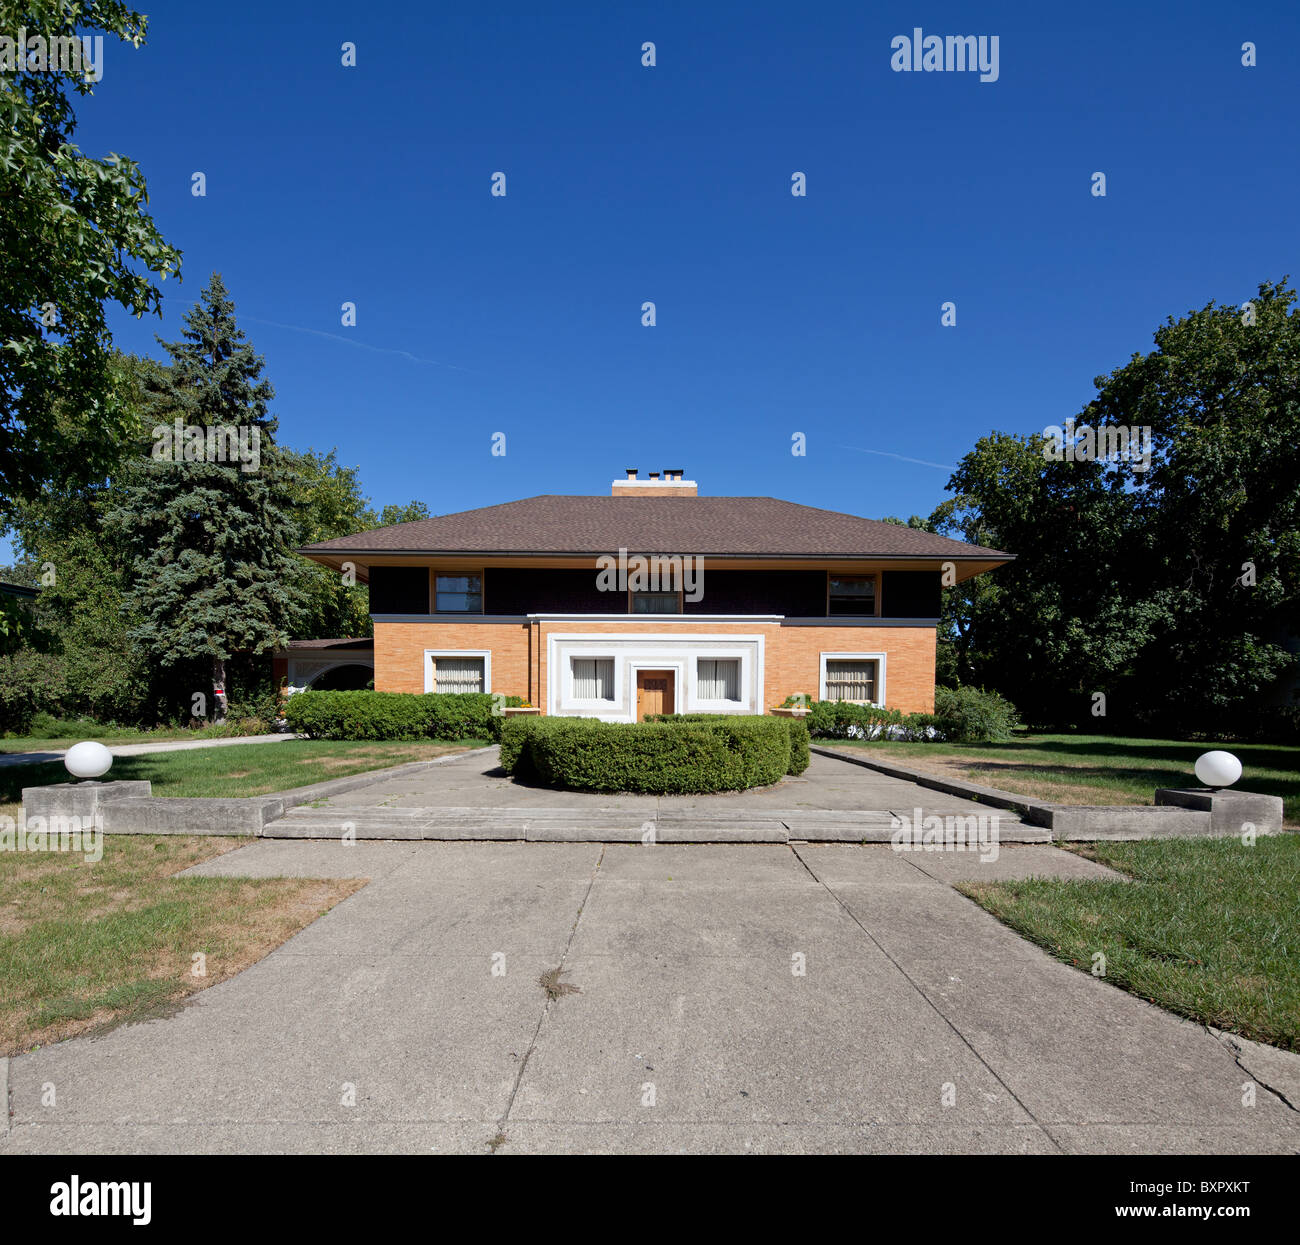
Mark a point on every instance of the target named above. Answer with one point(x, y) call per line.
point(718, 680)
point(458, 674)
point(850, 680)
point(593, 678)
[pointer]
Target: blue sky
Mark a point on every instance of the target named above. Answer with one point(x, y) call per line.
point(775, 314)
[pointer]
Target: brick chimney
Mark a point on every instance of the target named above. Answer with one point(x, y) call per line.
point(670, 485)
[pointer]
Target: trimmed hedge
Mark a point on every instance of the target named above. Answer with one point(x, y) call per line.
point(674, 756)
point(396, 715)
point(800, 752)
point(800, 749)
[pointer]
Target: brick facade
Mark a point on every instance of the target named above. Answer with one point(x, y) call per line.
point(792, 653)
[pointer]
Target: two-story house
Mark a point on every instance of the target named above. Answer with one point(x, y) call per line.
point(655, 599)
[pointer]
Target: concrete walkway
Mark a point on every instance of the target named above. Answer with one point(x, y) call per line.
point(726, 998)
point(141, 749)
point(470, 797)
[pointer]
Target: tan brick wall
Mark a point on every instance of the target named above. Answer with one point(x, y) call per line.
point(794, 661)
point(792, 654)
point(399, 652)
point(654, 490)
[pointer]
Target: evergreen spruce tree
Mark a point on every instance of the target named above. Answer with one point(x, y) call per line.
point(207, 506)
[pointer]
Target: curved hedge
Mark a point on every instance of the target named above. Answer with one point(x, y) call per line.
point(396, 715)
point(800, 750)
point(670, 756)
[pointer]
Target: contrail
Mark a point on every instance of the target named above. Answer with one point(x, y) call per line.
point(352, 341)
point(902, 458)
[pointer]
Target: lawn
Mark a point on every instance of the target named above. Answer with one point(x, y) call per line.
point(1093, 769)
point(85, 947)
point(1208, 928)
point(238, 770)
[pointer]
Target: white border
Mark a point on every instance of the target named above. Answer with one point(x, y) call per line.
point(879, 658)
point(651, 651)
point(484, 653)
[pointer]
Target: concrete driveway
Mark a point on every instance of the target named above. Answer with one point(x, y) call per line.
point(411, 1018)
point(471, 797)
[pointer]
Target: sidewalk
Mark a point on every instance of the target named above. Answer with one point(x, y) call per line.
point(916, 1022)
point(133, 750)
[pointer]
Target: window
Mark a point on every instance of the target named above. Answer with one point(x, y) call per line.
point(458, 674)
point(852, 596)
point(459, 594)
point(850, 680)
point(593, 678)
point(655, 603)
point(718, 679)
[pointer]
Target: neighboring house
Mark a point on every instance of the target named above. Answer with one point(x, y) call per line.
point(15, 614)
point(764, 599)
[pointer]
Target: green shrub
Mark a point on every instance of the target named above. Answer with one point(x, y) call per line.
point(671, 756)
point(972, 715)
point(800, 751)
point(30, 683)
point(396, 715)
point(843, 719)
point(466, 715)
point(515, 733)
point(962, 715)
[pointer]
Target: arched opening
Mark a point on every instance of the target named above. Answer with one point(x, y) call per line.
point(351, 678)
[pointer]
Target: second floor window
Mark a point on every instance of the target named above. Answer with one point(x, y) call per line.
point(459, 594)
point(853, 596)
point(654, 603)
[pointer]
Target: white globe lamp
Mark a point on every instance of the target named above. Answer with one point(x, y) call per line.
point(88, 759)
point(1218, 769)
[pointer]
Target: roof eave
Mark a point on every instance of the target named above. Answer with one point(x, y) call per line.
point(975, 555)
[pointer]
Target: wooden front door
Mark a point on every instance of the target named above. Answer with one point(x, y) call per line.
point(654, 692)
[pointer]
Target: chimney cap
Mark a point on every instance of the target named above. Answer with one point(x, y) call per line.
point(669, 484)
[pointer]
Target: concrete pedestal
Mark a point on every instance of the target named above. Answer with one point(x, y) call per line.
point(79, 799)
point(1231, 812)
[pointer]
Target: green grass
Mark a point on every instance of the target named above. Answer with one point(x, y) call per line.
point(1208, 928)
point(1097, 769)
point(86, 946)
point(238, 770)
point(60, 734)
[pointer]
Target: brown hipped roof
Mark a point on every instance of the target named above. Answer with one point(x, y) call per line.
point(719, 526)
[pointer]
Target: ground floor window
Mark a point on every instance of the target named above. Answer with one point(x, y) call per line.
point(718, 678)
point(593, 678)
point(850, 679)
point(458, 674)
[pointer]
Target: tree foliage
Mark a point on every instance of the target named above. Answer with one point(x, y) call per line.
point(74, 235)
point(209, 537)
point(1174, 591)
